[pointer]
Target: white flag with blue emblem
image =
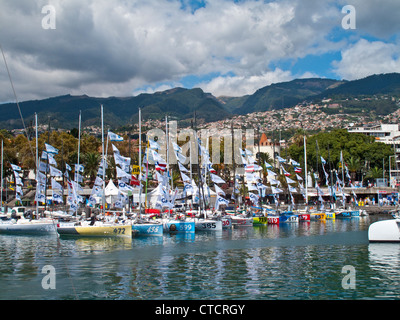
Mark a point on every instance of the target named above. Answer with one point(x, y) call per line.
point(114, 137)
point(51, 149)
point(220, 201)
point(216, 179)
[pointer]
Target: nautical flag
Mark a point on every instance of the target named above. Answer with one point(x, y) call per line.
point(55, 185)
point(78, 177)
point(250, 177)
point(297, 169)
point(51, 159)
point(40, 197)
point(182, 168)
point(134, 181)
point(211, 169)
point(220, 201)
point(180, 157)
point(323, 160)
point(43, 167)
point(261, 189)
point(273, 181)
point(79, 168)
point(100, 171)
point(51, 149)
point(124, 187)
point(267, 165)
point(292, 189)
point(218, 190)
point(281, 159)
point(285, 172)
point(253, 197)
point(15, 167)
point(122, 161)
point(153, 145)
point(161, 166)
point(98, 182)
point(68, 167)
point(299, 178)
point(288, 180)
point(276, 190)
point(114, 137)
point(176, 147)
point(271, 173)
point(57, 197)
point(185, 178)
point(294, 163)
point(54, 172)
point(91, 202)
point(122, 174)
point(188, 187)
point(115, 149)
point(216, 179)
point(249, 168)
point(251, 187)
point(41, 178)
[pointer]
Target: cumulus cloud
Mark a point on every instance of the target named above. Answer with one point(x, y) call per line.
point(105, 48)
point(368, 57)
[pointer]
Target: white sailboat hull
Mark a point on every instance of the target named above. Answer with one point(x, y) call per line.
point(384, 231)
point(34, 227)
point(206, 224)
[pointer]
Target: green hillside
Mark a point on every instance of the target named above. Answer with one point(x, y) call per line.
point(284, 95)
point(178, 103)
point(358, 96)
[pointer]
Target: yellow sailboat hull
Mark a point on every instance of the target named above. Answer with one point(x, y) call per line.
point(318, 216)
point(96, 231)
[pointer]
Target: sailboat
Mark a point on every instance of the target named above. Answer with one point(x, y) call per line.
point(27, 224)
point(165, 196)
point(94, 227)
point(202, 221)
point(386, 230)
point(141, 225)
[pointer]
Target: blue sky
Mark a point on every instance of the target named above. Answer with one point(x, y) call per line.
point(121, 48)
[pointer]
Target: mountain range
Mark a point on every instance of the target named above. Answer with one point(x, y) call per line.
point(181, 103)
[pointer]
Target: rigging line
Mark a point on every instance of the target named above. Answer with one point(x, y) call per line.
point(16, 100)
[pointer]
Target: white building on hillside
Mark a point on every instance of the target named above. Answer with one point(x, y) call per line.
point(389, 134)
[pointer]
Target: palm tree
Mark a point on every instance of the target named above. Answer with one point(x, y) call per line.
point(354, 164)
point(374, 173)
point(91, 162)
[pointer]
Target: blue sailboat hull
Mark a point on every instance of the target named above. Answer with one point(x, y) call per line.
point(148, 229)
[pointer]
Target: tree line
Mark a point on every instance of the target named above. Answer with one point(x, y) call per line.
point(364, 157)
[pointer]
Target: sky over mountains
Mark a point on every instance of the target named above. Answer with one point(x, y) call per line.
point(121, 48)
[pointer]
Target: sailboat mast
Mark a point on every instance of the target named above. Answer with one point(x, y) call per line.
point(2, 146)
point(140, 162)
point(102, 154)
point(79, 144)
point(305, 168)
point(167, 154)
point(37, 164)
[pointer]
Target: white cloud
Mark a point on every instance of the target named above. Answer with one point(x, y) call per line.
point(105, 48)
point(241, 85)
point(365, 58)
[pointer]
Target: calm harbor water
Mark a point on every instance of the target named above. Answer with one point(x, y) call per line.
point(293, 261)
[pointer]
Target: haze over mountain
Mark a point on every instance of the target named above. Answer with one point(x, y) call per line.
point(180, 103)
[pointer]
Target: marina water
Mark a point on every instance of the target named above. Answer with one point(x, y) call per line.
point(288, 261)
